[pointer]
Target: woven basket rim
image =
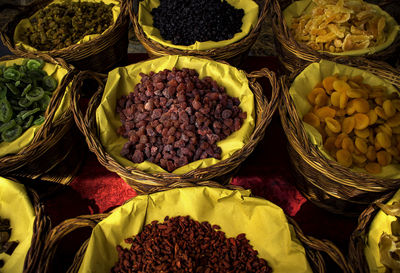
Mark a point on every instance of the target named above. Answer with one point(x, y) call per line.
point(96, 44)
point(285, 39)
point(313, 246)
point(264, 111)
point(226, 52)
point(300, 142)
point(51, 131)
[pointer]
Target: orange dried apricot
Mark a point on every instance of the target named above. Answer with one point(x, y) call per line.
point(371, 153)
point(381, 113)
point(388, 108)
point(348, 124)
point(361, 105)
point(333, 125)
point(361, 145)
point(353, 93)
point(362, 133)
point(339, 140)
point(383, 158)
point(383, 139)
point(335, 99)
point(394, 121)
point(321, 100)
point(328, 83)
point(373, 117)
point(344, 158)
point(314, 93)
point(347, 144)
point(325, 112)
point(373, 168)
point(361, 121)
point(340, 85)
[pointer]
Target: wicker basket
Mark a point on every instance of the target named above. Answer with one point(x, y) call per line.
point(145, 182)
point(234, 53)
point(293, 54)
point(358, 238)
point(325, 182)
point(99, 54)
point(56, 151)
point(313, 247)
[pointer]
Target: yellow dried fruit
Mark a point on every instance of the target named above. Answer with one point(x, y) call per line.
point(348, 124)
point(388, 108)
point(394, 121)
point(325, 112)
point(328, 83)
point(329, 145)
point(335, 98)
point(333, 125)
point(362, 133)
point(347, 144)
point(339, 140)
point(314, 93)
point(396, 130)
point(359, 159)
point(361, 105)
point(357, 79)
point(321, 100)
point(393, 151)
point(329, 132)
point(396, 104)
point(353, 93)
point(361, 145)
point(318, 85)
point(340, 112)
point(373, 168)
point(379, 100)
point(373, 117)
point(340, 85)
point(381, 113)
point(385, 129)
point(371, 153)
point(362, 121)
point(311, 119)
point(384, 158)
point(343, 100)
point(383, 139)
point(344, 158)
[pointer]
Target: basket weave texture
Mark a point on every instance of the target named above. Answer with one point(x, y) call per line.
point(98, 54)
point(234, 53)
point(358, 239)
point(53, 144)
point(145, 182)
point(293, 54)
point(313, 246)
point(325, 182)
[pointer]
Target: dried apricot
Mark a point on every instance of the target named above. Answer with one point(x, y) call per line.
point(311, 119)
point(328, 83)
point(383, 139)
point(353, 93)
point(325, 112)
point(343, 100)
point(362, 121)
point(388, 108)
point(373, 117)
point(314, 93)
point(361, 145)
point(359, 159)
point(362, 133)
point(383, 158)
point(348, 124)
point(329, 132)
point(373, 168)
point(321, 100)
point(371, 153)
point(339, 140)
point(333, 125)
point(335, 99)
point(329, 145)
point(344, 158)
point(393, 151)
point(347, 144)
point(361, 105)
point(386, 129)
point(381, 113)
point(394, 121)
point(350, 107)
point(341, 86)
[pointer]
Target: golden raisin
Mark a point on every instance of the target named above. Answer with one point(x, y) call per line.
point(371, 153)
point(381, 113)
point(361, 105)
point(394, 121)
point(361, 145)
point(373, 168)
point(314, 93)
point(383, 140)
point(325, 112)
point(348, 124)
point(333, 125)
point(347, 144)
point(383, 158)
point(373, 117)
point(362, 133)
point(344, 158)
point(361, 121)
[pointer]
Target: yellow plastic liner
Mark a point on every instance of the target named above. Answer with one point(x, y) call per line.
point(122, 80)
point(305, 82)
point(264, 224)
point(25, 139)
point(380, 224)
point(16, 206)
point(301, 7)
point(249, 20)
point(24, 24)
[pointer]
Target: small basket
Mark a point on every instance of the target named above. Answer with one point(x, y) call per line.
point(234, 53)
point(56, 151)
point(293, 54)
point(325, 182)
point(99, 54)
point(145, 182)
point(313, 247)
point(358, 239)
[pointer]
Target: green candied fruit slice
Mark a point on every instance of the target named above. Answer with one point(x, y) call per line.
point(26, 90)
point(33, 64)
point(12, 74)
point(13, 89)
point(28, 123)
point(24, 102)
point(39, 120)
point(35, 94)
point(6, 111)
point(3, 91)
point(49, 83)
point(12, 133)
point(7, 125)
point(44, 102)
point(30, 113)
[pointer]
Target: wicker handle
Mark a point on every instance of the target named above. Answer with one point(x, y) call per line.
point(313, 248)
point(59, 232)
point(358, 237)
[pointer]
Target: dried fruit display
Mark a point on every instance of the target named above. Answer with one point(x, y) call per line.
point(6, 246)
point(60, 25)
point(389, 244)
point(359, 123)
point(173, 118)
point(339, 26)
point(181, 244)
point(25, 93)
point(186, 21)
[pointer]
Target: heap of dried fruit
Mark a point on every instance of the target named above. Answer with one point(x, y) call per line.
point(389, 244)
point(338, 26)
point(6, 246)
point(63, 24)
point(174, 118)
point(181, 244)
point(359, 123)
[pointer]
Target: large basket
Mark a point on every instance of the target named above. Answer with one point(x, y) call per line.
point(325, 182)
point(293, 54)
point(145, 182)
point(313, 246)
point(56, 151)
point(233, 53)
point(358, 239)
point(98, 54)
